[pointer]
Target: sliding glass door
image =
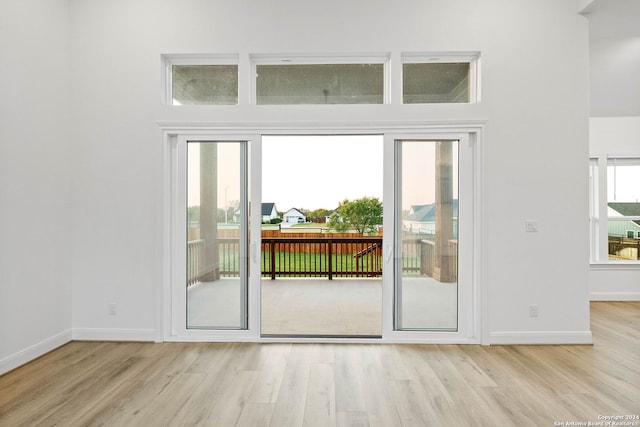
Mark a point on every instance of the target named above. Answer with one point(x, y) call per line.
point(322, 255)
point(210, 240)
point(431, 184)
point(216, 280)
point(423, 259)
point(427, 204)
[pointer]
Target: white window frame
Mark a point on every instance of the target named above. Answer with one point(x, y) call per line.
point(299, 59)
point(599, 213)
point(392, 69)
point(169, 60)
point(473, 58)
point(594, 210)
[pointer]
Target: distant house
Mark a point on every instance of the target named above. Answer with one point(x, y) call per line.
point(269, 212)
point(294, 216)
point(236, 215)
point(327, 217)
point(422, 219)
point(624, 228)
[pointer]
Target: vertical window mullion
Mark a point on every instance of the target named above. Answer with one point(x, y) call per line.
point(603, 234)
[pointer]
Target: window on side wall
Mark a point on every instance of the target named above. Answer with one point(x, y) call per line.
point(615, 216)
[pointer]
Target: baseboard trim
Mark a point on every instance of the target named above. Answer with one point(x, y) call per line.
point(97, 334)
point(614, 296)
point(30, 353)
point(541, 338)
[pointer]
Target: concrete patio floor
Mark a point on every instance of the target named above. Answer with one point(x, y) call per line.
point(339, 307)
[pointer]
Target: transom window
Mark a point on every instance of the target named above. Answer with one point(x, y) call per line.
point(439, 78)
point(207, 80)
point(424, 78)
point(319, 84)
point(295, 80)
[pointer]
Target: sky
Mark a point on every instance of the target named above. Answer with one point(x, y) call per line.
point(228, 173)
point(623, 183)
point(313, 172)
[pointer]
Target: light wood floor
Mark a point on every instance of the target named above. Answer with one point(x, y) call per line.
point(235, 384)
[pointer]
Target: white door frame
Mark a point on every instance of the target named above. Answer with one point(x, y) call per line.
point(469, 224)
point(174, 315)
point(471, 329)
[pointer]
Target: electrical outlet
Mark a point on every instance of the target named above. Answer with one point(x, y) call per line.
point(531, 226)
point(533, 310)
point(113, 309)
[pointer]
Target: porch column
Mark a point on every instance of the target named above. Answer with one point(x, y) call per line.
point(209, 210)
point(444, 210)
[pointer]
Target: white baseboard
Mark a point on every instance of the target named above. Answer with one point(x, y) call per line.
point(614, 296)
point(96, 334)
point(541, 337)
point(28, 354)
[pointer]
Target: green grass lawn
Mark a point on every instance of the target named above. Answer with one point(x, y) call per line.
point(292, 262)
point(313, 264)
point(310, 225)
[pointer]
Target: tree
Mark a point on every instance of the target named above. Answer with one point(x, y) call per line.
point(318, 215)
point(193, 214)
point(362, 215)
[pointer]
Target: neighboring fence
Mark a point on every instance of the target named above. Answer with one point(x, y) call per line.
point(326, 256)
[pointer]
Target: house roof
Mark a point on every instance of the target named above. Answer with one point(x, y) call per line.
point(626, 209)
point(267, 208)
point(427, 213)
point(295, 211)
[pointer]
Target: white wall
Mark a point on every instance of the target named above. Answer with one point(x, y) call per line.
point(615, 137)
point(35, 224)
point(534, 98)
point(615, 81)
point(614, 58)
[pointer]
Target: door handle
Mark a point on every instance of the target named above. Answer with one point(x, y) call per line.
point(389, 252)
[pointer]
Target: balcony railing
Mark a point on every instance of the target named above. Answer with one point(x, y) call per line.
point(624, 248)
point(428, 258)
point(319, 257)
point(195, 261)
point(322, 257)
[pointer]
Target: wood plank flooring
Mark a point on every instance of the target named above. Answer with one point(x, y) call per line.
point(239, 384)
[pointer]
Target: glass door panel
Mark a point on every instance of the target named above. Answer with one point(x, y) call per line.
point(426, 273)
point(217, 220)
